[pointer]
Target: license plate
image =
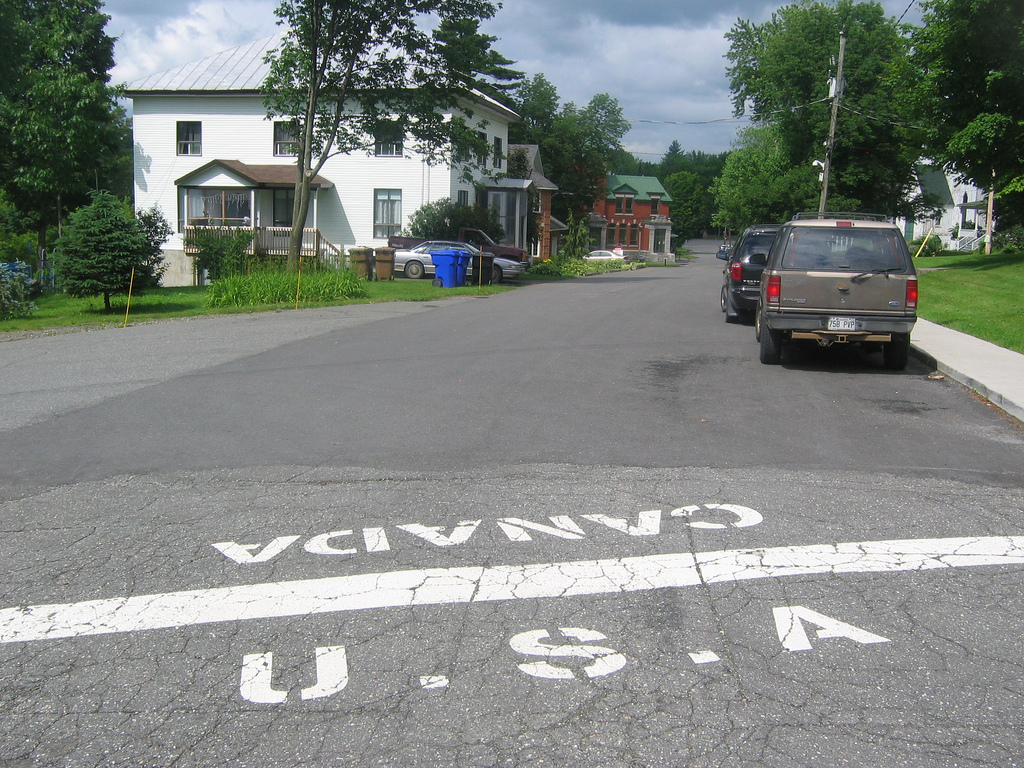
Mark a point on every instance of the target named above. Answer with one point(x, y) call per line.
point(842, 324)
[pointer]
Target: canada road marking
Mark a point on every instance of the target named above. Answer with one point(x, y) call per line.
point(439, 586)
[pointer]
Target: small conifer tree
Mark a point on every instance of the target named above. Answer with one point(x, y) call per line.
point(100, 245)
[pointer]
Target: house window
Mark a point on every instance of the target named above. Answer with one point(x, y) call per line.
point(634, 235)
point(218, 207)
point(624, 204)
point(388, 142)
point(284, 200)
point(481, 159)
point(655, 200)
point(498, 156)
point(463, 197)
point(387, 212)
point(286, 144)
point(190, 137)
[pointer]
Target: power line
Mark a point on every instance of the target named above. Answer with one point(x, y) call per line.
point(735, 118)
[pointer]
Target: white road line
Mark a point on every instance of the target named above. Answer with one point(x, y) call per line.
point(438, 586)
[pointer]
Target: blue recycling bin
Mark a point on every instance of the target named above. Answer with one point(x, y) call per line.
point(461, 268)
point(450, 267)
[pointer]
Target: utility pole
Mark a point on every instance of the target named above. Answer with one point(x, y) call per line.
point(832, 126)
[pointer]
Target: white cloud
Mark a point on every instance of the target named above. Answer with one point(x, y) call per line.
point(171, 41)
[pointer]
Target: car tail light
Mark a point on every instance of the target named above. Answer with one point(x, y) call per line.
point(773, 290)
point(736, 271)
point(911, 294)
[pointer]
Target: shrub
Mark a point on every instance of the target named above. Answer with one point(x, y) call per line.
point(543, 269)
point(277, 287)
point(222, 251)
point(1010, 240)
point(442, 220)
point(14, 291)
point(932, 248)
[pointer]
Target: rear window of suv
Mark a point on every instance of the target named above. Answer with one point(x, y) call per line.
point(760, 243)
point(844, 249)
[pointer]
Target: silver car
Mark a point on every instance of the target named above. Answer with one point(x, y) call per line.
point(416, 262)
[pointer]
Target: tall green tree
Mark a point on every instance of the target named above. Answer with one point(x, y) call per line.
point(688, 217)
point(970, 55)
point(578, 144)
point(759, 185)
point(687, 208)
point(64, 132)
point(536, 101)
point(780, 72)
point(347, 72)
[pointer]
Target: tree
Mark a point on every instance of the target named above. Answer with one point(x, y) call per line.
point(101, 245)
point(971, 92)
point(578, 145)
point(442, 220)
point(758, 185)
point(64, 132)
point(688, 217)
point(536, 101)
point(347, 72)
point(779, 72)
point(687, 206)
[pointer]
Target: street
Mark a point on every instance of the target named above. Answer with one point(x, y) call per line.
point(574, 524)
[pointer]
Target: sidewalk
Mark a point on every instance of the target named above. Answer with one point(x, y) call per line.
point(995, 373)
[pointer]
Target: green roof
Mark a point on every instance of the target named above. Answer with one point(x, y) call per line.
point(641, 187)
point(934, 184)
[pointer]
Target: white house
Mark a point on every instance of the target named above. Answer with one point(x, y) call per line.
point(207, 155)
point(963, 209)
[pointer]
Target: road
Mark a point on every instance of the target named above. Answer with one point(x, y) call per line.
point(575, 524)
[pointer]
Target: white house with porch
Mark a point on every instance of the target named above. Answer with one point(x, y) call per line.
point(207, 155)
point(961, 210)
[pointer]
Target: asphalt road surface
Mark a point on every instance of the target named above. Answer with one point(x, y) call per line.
point(575, 524)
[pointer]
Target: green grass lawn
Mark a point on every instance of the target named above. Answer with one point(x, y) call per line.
point(55, 310)
point(976, 294)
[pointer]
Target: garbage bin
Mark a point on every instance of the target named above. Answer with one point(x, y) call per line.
point(447, 269)
point(461, 266)
point(384, 262)
point(361, 261)
point(483, 268)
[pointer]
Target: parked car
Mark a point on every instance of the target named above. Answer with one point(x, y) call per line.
point(838, 278)
point(742, 282)
point(598, 255)
point(416, 262)
point(476, 237)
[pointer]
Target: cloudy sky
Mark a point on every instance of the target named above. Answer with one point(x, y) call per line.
point(664, 60)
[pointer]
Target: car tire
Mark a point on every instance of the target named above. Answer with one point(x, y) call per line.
point(757, 323)
point(496, 274)
point(725, 300)
point(414, 270)
point(771, 343)
point(896, 353)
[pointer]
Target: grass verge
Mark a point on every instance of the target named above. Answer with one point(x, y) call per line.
point(976, 294)
point(56, 310)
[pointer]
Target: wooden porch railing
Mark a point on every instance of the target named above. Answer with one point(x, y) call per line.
point(273, 241)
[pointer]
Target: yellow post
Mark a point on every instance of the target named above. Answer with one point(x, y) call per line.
point(298, 284)
point(131, 284)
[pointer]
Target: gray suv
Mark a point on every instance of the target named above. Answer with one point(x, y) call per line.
point(838, 278)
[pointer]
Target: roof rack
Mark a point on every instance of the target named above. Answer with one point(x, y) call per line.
point(840, 215)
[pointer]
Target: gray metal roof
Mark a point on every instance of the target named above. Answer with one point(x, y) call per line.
point(237, 69)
